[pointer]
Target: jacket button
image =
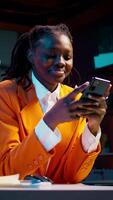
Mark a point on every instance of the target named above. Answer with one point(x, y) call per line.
point(35, 162)
point(40, 158)
point(30, 166)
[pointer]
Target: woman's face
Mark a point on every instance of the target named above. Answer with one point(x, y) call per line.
point(53, 60)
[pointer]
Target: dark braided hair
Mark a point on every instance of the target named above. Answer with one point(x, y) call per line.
point(20, 63)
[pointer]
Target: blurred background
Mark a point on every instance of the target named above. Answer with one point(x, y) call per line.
point(91, 25)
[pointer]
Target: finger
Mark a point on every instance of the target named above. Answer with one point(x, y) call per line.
point(108, 91)
point(77, 90)
point(85, 109)
point(98, 112)
point(96, 98)
point(99, 102)
point(90, 107)
point(79, 105)
point(76, 115)
point(89, 102)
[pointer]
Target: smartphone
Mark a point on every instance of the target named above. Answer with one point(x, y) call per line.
point(97, 86)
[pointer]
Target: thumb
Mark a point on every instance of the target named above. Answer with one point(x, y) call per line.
point(107, 93)
point(77, 90)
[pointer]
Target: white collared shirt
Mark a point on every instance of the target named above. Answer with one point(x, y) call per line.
point(46, 98)
point(48, 138)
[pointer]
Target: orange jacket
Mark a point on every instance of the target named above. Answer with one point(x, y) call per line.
point(20, 150)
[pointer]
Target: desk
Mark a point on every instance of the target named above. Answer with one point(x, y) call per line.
point(58, 192)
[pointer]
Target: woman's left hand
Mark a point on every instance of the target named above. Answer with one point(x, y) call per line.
point(96, 116)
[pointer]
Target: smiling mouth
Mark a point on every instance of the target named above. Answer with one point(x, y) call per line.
point(58, 72)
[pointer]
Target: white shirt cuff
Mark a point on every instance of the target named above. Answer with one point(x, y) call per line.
point(48, 138)
point(89, 141)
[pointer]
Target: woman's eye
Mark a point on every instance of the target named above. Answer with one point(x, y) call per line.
point(51, 56)
point(67, 57)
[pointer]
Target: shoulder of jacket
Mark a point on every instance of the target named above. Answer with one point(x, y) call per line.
point(9, 94)
point(8, 85)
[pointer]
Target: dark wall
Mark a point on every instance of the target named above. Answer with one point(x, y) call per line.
point(88, 42)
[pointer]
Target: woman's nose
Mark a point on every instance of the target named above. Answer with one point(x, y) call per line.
point(60, 61)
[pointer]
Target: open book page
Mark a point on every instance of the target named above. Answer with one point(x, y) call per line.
point(9, 180)
point(13, 181)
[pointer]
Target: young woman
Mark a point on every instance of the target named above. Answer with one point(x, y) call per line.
point(43, 129)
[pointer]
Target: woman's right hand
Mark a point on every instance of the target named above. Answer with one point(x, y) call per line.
point(67, 108)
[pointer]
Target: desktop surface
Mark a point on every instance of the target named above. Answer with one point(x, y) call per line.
point(57, 192)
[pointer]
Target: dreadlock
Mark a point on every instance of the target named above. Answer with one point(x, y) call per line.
point(20, 64)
